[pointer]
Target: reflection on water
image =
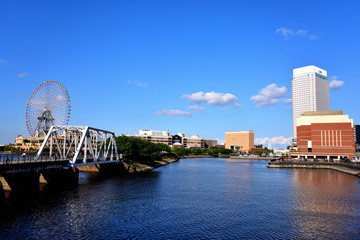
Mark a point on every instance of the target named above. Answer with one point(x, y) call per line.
point(325, 202)
point(193, 198)
point(324, 191)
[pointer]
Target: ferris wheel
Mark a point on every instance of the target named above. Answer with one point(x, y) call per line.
point(49, 104)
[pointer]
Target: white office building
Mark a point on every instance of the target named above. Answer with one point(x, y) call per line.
point(154, 133)
point(155, 136)
point(310, 92)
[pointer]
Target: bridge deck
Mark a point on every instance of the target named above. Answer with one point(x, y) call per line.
point(19, 159)
point(17, 163)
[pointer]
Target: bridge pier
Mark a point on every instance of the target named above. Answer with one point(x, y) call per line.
point(66, 177)
point(2, 193)
point(110, 169)
point(23, 181)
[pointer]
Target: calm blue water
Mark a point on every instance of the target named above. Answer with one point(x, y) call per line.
point(194, 198)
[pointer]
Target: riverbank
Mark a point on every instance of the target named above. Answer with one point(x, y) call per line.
point(137, 168)
point(133, 168)
point(348, 168)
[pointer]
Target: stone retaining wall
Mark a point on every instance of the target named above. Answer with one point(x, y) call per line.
point(348, 168)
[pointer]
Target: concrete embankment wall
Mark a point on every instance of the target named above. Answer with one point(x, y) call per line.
point(5, 185)
point(252, 158)
point(88, 168)
point(348, 168)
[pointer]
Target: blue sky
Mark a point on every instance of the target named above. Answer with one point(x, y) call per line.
point(183, 66)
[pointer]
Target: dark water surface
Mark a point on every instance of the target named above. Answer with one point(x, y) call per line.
point(193, 198)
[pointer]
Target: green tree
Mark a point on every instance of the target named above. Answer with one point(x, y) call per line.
point(258, 152)
point(267, 151)
point(140, 150)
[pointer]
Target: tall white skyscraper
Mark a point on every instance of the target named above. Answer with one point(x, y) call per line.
point(310, 91)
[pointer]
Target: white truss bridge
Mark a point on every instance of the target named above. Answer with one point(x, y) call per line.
point(80, 145)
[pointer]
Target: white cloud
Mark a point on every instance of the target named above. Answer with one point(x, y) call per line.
point(288, 33)
point(24, 74)
point(196, 108)
point(288, 101)
point(213, 98)
point(334, 83)
point(270, 95)
point(173, 113)
point(220, 141)
point(270, 142)
point(136, 83)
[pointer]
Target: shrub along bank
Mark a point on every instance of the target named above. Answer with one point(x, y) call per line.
point(137, 151)
point(214, 151)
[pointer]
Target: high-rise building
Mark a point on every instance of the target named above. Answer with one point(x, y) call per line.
point(310, 91)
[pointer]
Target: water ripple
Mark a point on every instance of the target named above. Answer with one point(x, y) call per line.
point(193, 199)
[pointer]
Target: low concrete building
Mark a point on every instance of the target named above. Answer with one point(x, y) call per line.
point(28, 142)
point(156, 136)
point(195, 142)
point(209, 143)
point(280, 151)
point(177, 140)
point(325, 134)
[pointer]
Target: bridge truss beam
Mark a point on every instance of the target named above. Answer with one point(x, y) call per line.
point(81, 145)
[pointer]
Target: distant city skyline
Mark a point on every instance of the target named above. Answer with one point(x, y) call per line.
point(204, 68)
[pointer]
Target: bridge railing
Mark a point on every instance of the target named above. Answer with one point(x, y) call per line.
point(19, 159)
point(6, 159)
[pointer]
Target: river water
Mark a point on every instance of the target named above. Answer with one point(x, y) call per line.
point(193, 198)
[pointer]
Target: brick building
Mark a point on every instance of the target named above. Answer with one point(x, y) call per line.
point(257, 149)
point(325, 134)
